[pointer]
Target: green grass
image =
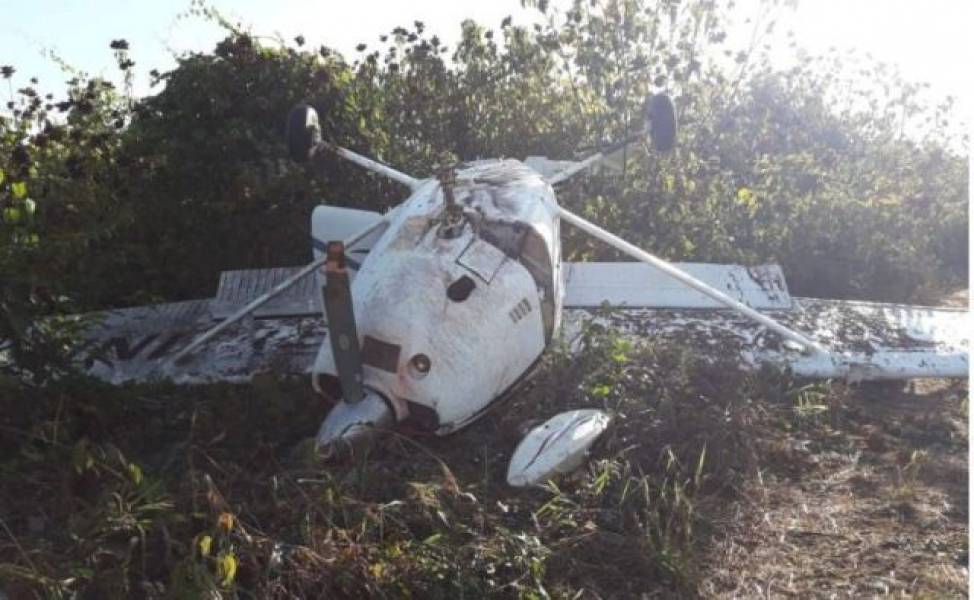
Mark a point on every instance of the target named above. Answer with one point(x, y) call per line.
point(177, 493)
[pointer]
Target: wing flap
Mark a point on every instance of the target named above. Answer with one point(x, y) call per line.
point(632, 284)
point(238, 288)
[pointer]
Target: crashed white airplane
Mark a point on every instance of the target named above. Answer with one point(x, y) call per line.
point(431, 313)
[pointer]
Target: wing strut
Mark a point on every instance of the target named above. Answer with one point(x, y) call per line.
point(578, 167)
point(643, 256)
point(267, 297)
point(304, 142)
point(659, 115)
point(369, 164)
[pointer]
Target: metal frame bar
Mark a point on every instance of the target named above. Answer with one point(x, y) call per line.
point(643, 256)
point(580, 166)
point(371, 165)
point(269, 295)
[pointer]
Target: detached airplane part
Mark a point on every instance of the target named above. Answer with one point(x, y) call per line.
point(556, 447)
point(429, 314)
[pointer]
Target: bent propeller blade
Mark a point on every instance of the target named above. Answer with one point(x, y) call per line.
point(341, 323)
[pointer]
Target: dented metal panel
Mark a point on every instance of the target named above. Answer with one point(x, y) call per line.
point(590, 284)
point(127, 344)
point(134, 344)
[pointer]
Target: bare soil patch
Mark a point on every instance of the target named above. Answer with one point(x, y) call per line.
point(872, 501)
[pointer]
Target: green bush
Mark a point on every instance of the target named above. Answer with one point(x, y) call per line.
point(139, 200)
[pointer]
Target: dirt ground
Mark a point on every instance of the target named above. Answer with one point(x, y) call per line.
point(877, 505)
point(872, 502)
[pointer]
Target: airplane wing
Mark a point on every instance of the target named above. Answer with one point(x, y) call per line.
point(638, 285)
point(868, 340)
point(136, 344)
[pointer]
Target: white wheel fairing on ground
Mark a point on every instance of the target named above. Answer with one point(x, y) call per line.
point(558, 446)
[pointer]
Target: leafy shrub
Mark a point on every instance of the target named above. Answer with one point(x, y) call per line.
point(136, 200)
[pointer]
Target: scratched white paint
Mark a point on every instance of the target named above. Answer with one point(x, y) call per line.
point(558, 446)
point(477, 347)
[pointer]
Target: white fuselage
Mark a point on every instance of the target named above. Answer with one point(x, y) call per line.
point(474, 294)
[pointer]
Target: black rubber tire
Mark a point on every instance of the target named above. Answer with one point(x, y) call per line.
point(661, 115)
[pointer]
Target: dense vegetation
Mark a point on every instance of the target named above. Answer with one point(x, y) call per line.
point(109, 200)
